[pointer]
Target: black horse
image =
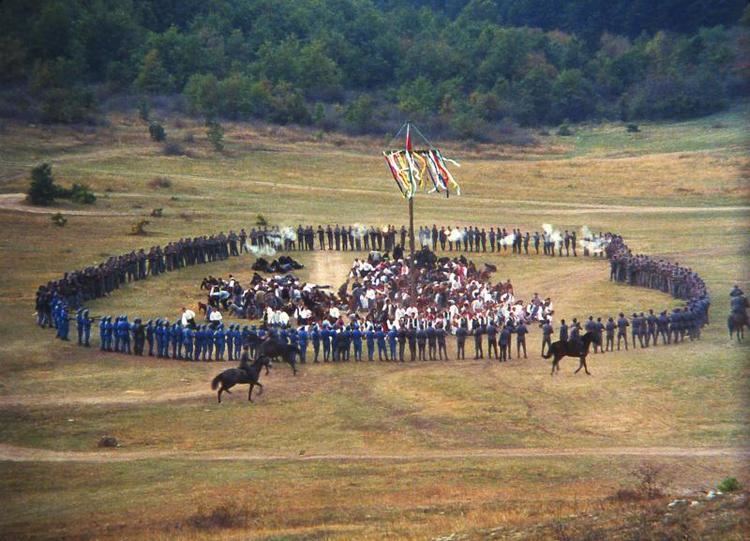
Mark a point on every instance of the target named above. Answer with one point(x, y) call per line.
point(273, 349)
point(249, 374)
point(736, 323)
point(561, 349)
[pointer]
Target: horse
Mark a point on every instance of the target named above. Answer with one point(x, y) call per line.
point(249, 374)
point(273, 349)
point(562, 349)
point(736, 323)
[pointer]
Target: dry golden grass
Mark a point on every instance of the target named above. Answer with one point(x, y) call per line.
point(691, 396)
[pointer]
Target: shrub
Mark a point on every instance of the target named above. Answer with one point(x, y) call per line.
point(157, 132)
point(173, 149)
point(730, 484)
point(160, 182)
point(144, 110)
point(564, 131)
point(220, 517)
point(260, 220)
point(157, 213)
point(81, 193)
point(215, 134)
point(633, 128)
point(59, 220)
point(42, 190)
point(139, 228)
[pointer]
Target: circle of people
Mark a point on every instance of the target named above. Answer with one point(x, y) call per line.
point(392, 306)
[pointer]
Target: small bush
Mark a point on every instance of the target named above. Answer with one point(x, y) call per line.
point(59, 220)
point(173, 149)
point(160, 182)
point(633, 128)
point(215, 134)
point(220, 517)
point(157, 132)
point(144, 110)
point(260, 220)
point(564, 131)
point(139, 228)
point(157, 213)
point(82, 194)
point(730, 484)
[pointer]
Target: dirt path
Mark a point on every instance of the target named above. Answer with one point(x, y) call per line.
point(16, 202)
point(11, 453)
point(134, 396)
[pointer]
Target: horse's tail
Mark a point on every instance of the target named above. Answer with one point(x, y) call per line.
point(215, 382)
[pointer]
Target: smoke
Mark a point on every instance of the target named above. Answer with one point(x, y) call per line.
point(259, 251)
point(456, 235)
point(359, 231)
point(553, 234)
point(425, 237)
point(592, 243)
point(507, 240)
point(288, 233)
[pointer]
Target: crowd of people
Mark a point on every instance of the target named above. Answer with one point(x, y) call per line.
point(359, 238)
point(395, 308)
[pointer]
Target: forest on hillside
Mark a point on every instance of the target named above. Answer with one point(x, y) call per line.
point(462, 68)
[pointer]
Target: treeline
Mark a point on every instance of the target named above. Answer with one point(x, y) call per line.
point(468, 69)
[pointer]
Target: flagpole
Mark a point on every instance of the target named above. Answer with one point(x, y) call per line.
point(407, 147)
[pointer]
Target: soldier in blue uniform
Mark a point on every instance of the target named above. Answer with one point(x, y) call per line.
point(402, 342)
point(103, 333)
point(200, 343)
point(662, 327)
point(177, 340)
point(87, 321)
point(229, 339)
point(237, 337)
point(369, 340)
point(220, 342)
point(79, 325)
point(392, 338)
point(431, 342)
point(421, 337)
point(492, 340)
point(610, 329)
point(411, 340)
point(150, 337)
point(635, 328)
point(380, 338)
point(575, 334)
point(302, 338)
point(440, 333)
point(356, 337)
point(124, 328)
point(504, 340)
point(188, 337)
point(325, 336)
point(622, 330)
point(139, 336)
point(651, 328)
point(521, 332)
point(477, 330)
point(461, 333)
point(315, 337)
point(563, 331)
point(547, 331)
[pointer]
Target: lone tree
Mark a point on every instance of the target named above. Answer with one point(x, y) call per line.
point(215, 134)
point(156, 131)
point(43, 189)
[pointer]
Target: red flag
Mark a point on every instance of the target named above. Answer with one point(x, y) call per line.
point(408, 138)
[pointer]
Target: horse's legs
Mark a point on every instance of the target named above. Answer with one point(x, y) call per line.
point(580, 364)
point(585, 366)
point(250, 393)
point(260, 392)
point(221, 389)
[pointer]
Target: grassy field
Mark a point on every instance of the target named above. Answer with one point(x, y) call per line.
point(472, 449)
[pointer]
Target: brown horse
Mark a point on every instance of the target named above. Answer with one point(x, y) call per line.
point(736, 323)
point(561, 349)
